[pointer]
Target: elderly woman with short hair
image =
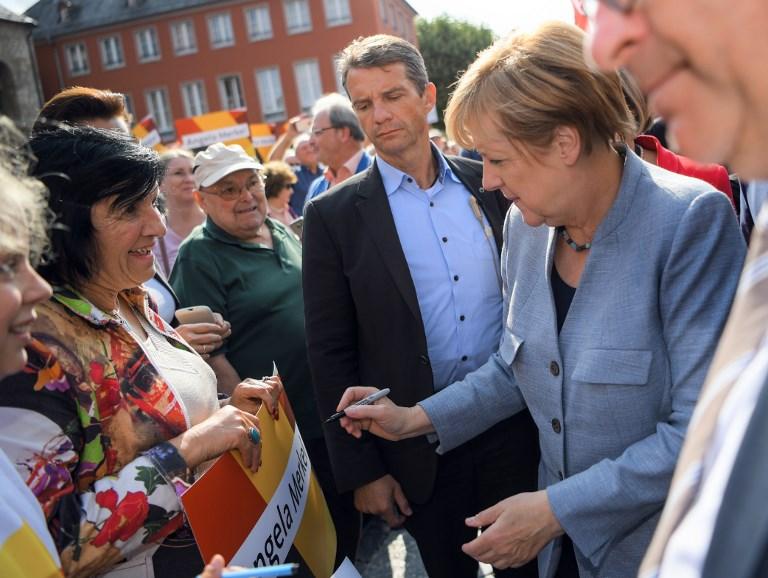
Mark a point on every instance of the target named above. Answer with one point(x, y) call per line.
point(618, 277)
point(114, 412)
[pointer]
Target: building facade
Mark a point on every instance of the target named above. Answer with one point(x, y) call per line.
point(181, 58)
point(20, 94)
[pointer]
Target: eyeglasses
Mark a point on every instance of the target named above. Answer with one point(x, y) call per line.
point(230, 192)
point(589, 7)
point(319, 131)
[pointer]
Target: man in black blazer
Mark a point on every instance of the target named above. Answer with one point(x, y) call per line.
point(370, 288)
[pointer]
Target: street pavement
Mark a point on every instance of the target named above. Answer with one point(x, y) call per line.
point(386, 553)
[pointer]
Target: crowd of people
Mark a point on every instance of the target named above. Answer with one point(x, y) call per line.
point(576, 361)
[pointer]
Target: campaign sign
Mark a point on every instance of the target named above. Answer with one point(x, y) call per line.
point(274, 516)
point(227, 126)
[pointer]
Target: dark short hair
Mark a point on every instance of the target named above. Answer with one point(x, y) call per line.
point(277, 175)
point(382, 50)
point(77, 104)
point(81, 166)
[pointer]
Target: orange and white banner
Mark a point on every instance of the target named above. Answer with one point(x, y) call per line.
point(263, 139)
point(147, 133)
point(274, 516)
point(227, 126)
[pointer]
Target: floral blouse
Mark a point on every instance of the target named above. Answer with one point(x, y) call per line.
point(86, 423)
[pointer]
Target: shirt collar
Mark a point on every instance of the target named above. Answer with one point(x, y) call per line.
point(346, 170)
point(75, 302)
point(393, 177)
point(219, 234)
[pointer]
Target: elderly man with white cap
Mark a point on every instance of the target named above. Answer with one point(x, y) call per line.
point(247, 267)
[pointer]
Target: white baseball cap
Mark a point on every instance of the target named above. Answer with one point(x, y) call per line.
point(220, 160)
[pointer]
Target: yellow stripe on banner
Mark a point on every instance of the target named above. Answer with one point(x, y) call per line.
point(214, 120)
point(139, 132)
point(276, 443)
point(316, 538)
point(23, 555)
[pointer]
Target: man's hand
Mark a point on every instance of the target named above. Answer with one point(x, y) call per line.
point(385, 498)
point(516, 529)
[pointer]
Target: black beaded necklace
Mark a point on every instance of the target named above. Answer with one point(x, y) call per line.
point(570, 242)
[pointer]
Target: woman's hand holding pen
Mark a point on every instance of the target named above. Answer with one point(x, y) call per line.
point(382, 418)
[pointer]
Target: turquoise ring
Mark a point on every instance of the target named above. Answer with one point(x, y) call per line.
point(254, 436)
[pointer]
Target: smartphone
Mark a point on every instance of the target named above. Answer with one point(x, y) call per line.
point(196, 314)
point(303, 124)
point(297, 226)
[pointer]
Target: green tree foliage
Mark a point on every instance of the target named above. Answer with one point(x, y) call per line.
point(449, 46)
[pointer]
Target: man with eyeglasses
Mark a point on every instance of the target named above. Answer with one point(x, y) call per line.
point(702, 64)
point(338, 139)
point(247, 267)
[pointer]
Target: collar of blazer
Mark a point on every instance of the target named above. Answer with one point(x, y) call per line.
point(469, 172)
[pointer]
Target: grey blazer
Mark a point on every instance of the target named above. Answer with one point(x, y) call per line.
point(613, 393)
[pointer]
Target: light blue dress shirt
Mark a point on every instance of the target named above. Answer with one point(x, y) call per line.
point(454, 264)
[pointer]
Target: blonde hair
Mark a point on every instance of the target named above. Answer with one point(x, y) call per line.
point(637, 103)
point(24, 214)
point(529, 84)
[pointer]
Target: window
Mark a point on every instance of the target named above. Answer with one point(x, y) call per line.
point(297, 17)
point(183, 34)
point(308, 83)
point(158, 107)
point(337, 12)
point(129, 104)
point(337, 74)
point(77, 59)
point(193, 95)
point(147, 46)
point(259, 23)
point(270, 94)
point(220, 30)
point(231, 92)
point(112, 52)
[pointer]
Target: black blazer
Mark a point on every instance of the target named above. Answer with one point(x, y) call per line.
point(364, 325)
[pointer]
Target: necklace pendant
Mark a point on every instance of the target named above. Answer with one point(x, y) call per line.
point(571, 243)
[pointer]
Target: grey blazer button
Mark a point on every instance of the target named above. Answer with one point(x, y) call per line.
point(554, 368)
point(556, 427)
point(423, 359)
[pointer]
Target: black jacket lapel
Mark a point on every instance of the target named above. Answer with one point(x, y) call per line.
point(373, 207)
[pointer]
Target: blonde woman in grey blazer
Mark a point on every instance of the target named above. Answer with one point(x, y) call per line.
point(618, 277)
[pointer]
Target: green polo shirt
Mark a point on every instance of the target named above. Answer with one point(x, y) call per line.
point(258, 290)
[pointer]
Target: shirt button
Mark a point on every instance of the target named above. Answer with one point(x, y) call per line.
point(464, 358)
point(423, 359)
point(556, 427)
point(554, 368)
point(409, 179)
point(461, 318)
point(445, 239)
point(431, 204)
point(455, 277)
